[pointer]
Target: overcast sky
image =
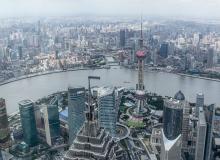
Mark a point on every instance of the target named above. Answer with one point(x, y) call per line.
point(175, 8)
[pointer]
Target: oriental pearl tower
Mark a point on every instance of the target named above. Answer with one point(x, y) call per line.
point(140, 93)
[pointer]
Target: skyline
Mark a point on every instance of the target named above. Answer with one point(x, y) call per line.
point(170, 9)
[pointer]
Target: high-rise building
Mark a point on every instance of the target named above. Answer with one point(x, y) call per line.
point(28, 122)
point(216, 127)
point(199, 103)
point(20, 53)
point(172, 129)
point(209, 115)
point(210, 59)
point(93, 142)
point(52, 123)
point(76, 109)
point(185, 123)
point(201, 136)
point(122, 38)
point(164, 50)
point(107, 109)
point(4, 129)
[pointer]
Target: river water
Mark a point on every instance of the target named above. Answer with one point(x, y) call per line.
point(158, 82)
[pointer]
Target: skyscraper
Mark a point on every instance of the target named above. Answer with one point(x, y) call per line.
point(4, 129)
point(164, 50)
point(107, 111)
point(28, 122)
point(185, 123)
point(201, 136)
point(210, 59)
point(122, 38)
point(172, 128)
point(93, 142)
point(209, 115)
point(76, 109)
point(52, 123)
point(199, 102)
point(20, 53)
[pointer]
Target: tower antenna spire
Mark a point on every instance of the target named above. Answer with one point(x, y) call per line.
point(141, 26)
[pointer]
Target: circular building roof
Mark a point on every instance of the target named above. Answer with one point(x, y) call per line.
point(179, 96)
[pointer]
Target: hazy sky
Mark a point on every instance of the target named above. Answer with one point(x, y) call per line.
point(176, 8)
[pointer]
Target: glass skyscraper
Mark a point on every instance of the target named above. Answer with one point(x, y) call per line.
point(172, 119)
point(4, 129)
point(28, 122)
point(76, 109)
point(107, 109)
point(52, 123)
point(172, 128)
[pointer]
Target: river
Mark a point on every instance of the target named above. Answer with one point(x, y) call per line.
point(158, 82)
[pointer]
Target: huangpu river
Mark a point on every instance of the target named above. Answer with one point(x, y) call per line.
point(165, 84)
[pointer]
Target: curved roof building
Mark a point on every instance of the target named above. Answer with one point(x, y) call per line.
point(179, 96)
point(172, 118)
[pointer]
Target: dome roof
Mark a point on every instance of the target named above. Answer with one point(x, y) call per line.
point(179, 96)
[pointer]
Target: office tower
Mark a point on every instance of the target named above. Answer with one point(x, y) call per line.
point(185, 123)
point(210, 59)
point(28, 122)
point(52, 123)
point(172, 128)
point(164, 50)
point(171, 48)
point(185, 127)
point(201, 136)
point(93, 142)
point(20, 52)
point(76, 109)
point(107, 111)
point(216, 123)
point(122, 38)
point(4, 129)
point(209, 116)
point(199, 102)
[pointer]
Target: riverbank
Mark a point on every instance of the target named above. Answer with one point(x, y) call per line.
point(187, 75)
point(200, 77)
point(77, 69)
point(43, 73)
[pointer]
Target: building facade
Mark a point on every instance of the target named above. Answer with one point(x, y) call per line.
point(201, 136)
point(199, 102)
point(172, 129)
point(28, 122)
point(76, 109)
point(4, 129)
point(52, 123)
point(107, 109)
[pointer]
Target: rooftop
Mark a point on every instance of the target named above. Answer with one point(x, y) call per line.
point(202, 120)
point(173, 103)
point(25, 102)
point(103, 91)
